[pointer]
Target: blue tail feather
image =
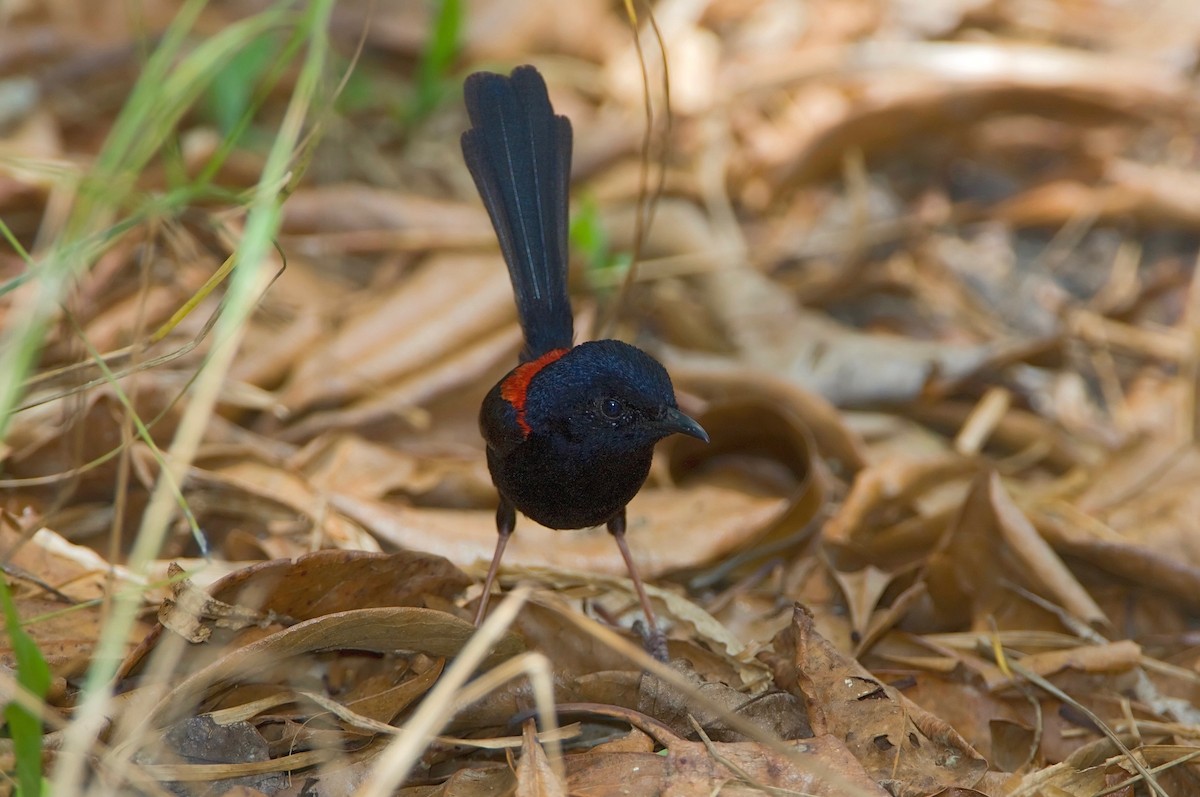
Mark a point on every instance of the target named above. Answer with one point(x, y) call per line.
point(519, 153)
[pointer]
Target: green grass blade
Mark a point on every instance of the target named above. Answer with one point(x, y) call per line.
point(251, 272)
point(445, 40)
point(25, 727)
point(170, 84)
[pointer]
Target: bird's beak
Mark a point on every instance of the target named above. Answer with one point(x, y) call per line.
point(673, 421)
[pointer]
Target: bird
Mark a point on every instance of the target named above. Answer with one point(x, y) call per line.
point(570, 431)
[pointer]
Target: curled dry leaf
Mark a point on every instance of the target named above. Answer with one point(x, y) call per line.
point(1015, 432)
point(408, 397)
point(975, 713)
point(385, 704)
point(821, 766)
point(884, 492)
point(1114, 657)
point(806, 412)
point(862, 590)
point(1131, 190)
point(759, 442)
point(813, 766)
point(496, 712)
point(320, 583)
point(63, 570)
point(1082, 775)
point(36, 437)
point(1075, 535)
point(905, 749)
point(191, 612)
point(1165, 518)
point(346, 463)
point(536, 777)
point(991, 544)
point(380, 630)
point(267, 363)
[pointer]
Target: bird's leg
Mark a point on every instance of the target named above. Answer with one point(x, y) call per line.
point(506, 520)
point(654, 640)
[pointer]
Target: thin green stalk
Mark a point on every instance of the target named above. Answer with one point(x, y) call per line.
point(251, 271)
point(169, 85)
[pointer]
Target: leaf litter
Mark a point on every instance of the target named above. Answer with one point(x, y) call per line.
point(925, 273)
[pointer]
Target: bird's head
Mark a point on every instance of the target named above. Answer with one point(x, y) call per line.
point(608, 396)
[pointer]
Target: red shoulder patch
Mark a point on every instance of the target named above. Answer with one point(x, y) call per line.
point(515, 387)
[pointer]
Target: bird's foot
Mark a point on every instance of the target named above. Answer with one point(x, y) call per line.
point(654, 641)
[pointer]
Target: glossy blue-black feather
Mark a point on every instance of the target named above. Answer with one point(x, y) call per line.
point(519, 153)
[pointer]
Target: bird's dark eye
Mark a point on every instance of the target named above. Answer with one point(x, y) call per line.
point(611, 408)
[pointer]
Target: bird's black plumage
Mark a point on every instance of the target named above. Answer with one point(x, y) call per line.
point(519, 153)
point(570, 431)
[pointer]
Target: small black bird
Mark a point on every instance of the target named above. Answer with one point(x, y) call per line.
point(571, 430)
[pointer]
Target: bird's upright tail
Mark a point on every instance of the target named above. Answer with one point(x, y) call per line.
point(519, 153)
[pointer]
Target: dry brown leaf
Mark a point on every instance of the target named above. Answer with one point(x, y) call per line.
point(54, 583)
point(846, 367)
point(1114, 657)
point(383, 700)
point(266, 491)
point(862, 590)
point(776, 712)
point(445, 305)
point(1143, 497)
point(759, 445)
point(266, 364)
point(191, 612)
point(834, 438)
point(716, 520)
point(323, 582)
point(992, 543)
point(327, 212)
point(974, 712)
point(906, 749)
point(1152, 194)
point(347, 464)
point(535, 776)
point(409, 395)
point(1017, 432)
point(1044, 567)
point(693, 634)
point(380, 630)
point(690, 768)
point(1076, 535)
point(887, 489)
point(65, 570)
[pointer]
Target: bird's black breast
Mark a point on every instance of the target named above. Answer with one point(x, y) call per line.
point(545, 479)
